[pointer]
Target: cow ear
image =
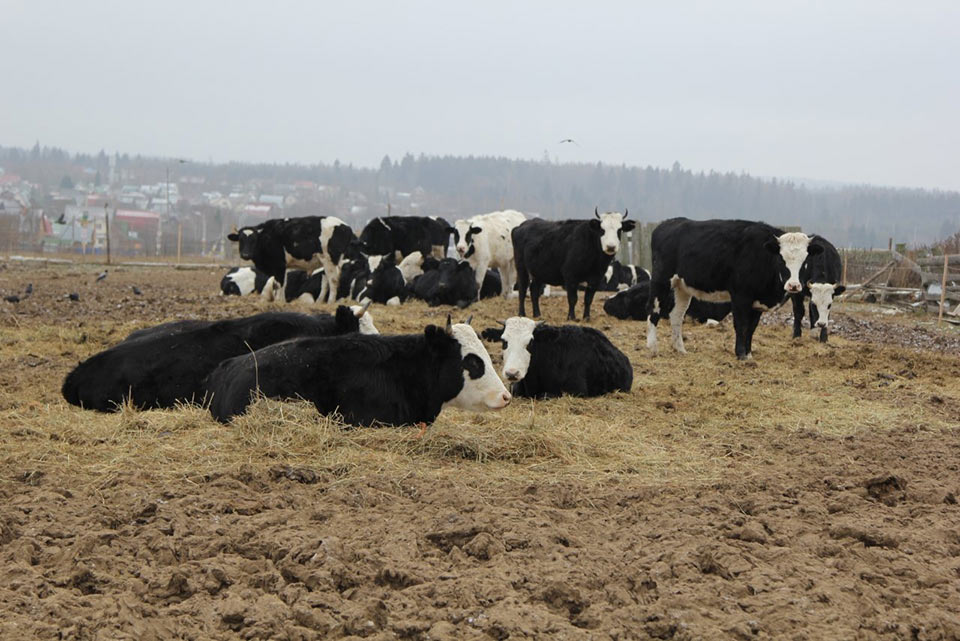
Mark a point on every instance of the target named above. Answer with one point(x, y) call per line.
point(772, 246)
point(476, 230)
point(813, 250)
point(492, 334)
point(546, 333)
point(628, 225)
point(839, 289)
point(451, 230)
point(595, 224)
point(436, 337)
point(234, 236)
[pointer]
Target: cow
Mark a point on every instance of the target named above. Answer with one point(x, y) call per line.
point(545, 361)
point(353, 277)
point(439, 236)
point(240, 281)
point(160, 366)
point(631, 304)
point(388, 380)
point(307, 243)
point(567, 253)
point(386, 284)
point(450, 282)
point(404, 234)
point(751, 265)
point(485, 242)
point(304, 287)
point(821, 276)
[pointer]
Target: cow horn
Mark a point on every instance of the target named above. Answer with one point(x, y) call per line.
point(384, 223)
point(233, 229)
point(626, 212)
point(541, 323)
point(469, 318)
point(449, 327)
point(363, 308)
point(502, 323)
point(809, 284)
point(596, 212)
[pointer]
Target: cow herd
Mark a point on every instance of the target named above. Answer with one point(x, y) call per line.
point(344, 366)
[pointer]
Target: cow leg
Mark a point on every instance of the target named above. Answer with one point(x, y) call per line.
point(508, 277)
point(571, 301)
point(755, 315)
point(536, 288)
point(680, 304)
point(797, 300)
point(741, 322)
point(479, 272)
point(653, 317)
point(523, 281)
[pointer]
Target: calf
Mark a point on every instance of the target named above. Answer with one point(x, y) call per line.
point(161, 366)
point(403, 234)
point(566, 253)
point(544, 361)
point(485, 242)
point(748, 264)
point(451, 282)
point(390, 380)
point(240, 281)
point(631, 304)
point(821, 276)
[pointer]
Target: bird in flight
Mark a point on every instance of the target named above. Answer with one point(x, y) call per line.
point(569, 140)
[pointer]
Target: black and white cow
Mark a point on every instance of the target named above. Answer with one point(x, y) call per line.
point(821, 276)
point(304, 287)
point(240, 281)
point(307, 243)
point(386, 284)
point(164, 365)
point(749, 264)
point(631, 304)
point(543, 361)
point(353, 277)
point(448, 282)
point(404, 234)
point(485, 242)
point(567, 253)
point(390, 380)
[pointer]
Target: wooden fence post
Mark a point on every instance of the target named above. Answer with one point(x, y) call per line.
point(179, 240)
point(943, 288)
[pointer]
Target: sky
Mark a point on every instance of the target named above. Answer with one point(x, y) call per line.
point(849, 91)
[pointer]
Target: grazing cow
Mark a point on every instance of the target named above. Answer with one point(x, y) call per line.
point(404, 234)
point(391, 380)
point(566, 253)
point(451, 282)
point(485, 242)
point(386, 284)
point(164, 365)
point(631, 304)
point(821, 276)
point(749, 264)
point(240, 281)
point(544, 361)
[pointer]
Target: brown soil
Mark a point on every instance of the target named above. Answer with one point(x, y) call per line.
point(811, 494)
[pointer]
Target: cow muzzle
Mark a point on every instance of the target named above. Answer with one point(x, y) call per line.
point(502, 400)
point(793, 287)
point(610, 251)
point(821, 323)
point(512, 375)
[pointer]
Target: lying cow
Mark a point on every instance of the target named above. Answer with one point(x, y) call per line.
point(445, 282)
point(241, 281)
point(544, 361)
point(161, 366)
point(391, 380)
point(821, 276)
point(386, 284)
point(631, 304)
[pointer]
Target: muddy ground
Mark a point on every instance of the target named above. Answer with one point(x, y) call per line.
point(809, 495)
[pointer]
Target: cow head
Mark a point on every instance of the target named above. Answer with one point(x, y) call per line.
point(246, 237)
point(481, 388)
point(377, 237)
point(452, 273)
point(793, 248)
point(463, 233)
point(609, 227)
point(821, 297)
point(516, 336)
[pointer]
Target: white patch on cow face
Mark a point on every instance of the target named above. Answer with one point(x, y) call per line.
point(366, 321)
point(245, 279)
point(462, 227)
point(517, 336)
point(247, 232)
point(486, 392)
point(793, 249)
point(610, 225)
point(374, 262)
point(821, 295)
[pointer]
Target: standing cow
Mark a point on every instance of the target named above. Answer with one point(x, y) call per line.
point(749, 264)
point(485, 242)
point(821, 276)
point(567, 253)
point(405, 234)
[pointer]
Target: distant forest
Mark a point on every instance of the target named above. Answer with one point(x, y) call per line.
point(453, 187)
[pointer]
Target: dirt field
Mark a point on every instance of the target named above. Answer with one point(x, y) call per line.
point(810, 494)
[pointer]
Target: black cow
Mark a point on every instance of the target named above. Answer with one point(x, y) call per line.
point(821, 276)
point(749, 264)
point(631, 304)
point(492, 284)
point(240, 281)
point(386, 283)
point(566, 253)
point(544, 361)
point(392, 380)
point(445, 282)
point(303, 286)
point(404, 234)
point(164, 365)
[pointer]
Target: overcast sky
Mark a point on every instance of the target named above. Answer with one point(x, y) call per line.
point(849, 91)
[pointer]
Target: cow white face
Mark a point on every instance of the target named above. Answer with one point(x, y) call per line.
point(516, 339)
point(482, 388)
point(794, 248)
point(365, 320)
point(611, 225)
point(464, 231)
point(821, 295)
point(246, 240)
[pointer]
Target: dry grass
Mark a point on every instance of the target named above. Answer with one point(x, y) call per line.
point(685, 420)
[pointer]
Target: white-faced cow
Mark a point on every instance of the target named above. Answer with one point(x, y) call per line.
point(164, 365)
point(749, 264)
point(240, 281)
point(405, 234)
point(543, 361)
point(567, 253)
point(821, 277)
point(485, 242)
point(390, 380)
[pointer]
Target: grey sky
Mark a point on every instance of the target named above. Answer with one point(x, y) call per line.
point(852, 91)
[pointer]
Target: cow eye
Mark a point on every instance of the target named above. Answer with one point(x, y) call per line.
point(473, 365)
point(504, 343)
